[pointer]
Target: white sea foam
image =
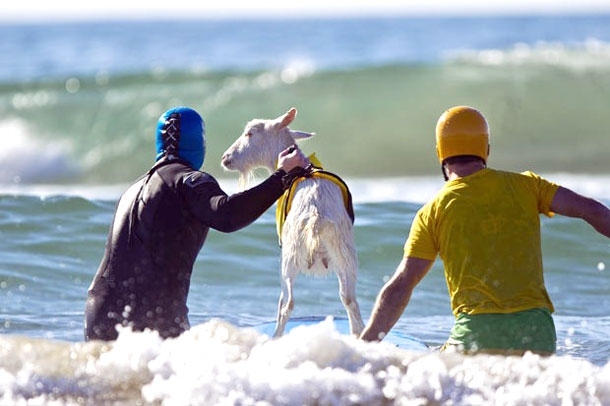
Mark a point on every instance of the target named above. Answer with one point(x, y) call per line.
point(415, 189)
point(218, 363)
point(591, 54)
point(24, 159)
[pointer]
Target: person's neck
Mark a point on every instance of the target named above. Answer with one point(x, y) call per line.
point(459, 170)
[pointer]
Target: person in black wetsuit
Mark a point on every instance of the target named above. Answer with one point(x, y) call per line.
point(159, 227)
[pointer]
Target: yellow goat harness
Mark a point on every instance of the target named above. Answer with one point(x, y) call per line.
point(312, 171)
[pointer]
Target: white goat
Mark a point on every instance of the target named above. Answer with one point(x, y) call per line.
point(317, 234)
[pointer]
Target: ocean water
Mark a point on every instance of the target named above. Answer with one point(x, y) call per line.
point(78, 109)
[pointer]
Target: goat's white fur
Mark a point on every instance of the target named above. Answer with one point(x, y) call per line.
point(317, 235)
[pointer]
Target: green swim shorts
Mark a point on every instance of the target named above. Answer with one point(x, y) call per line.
point(529, 330)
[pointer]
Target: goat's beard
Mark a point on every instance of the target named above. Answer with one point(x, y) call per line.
point(247, 178)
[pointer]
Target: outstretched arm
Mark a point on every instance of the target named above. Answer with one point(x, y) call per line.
point(394, 297)
point(230, 213)
point(571, 204)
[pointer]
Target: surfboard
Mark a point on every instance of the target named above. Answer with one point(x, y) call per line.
point(398, 338)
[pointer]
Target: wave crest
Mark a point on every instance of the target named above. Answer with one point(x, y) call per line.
point(591, 54)
point(24, 159)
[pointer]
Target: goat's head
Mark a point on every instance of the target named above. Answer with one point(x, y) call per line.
point(260, 143)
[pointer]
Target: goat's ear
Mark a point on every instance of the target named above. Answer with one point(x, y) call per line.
point(288, 117)
point(301, 135)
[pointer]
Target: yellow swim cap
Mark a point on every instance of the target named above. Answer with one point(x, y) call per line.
point(462, 130)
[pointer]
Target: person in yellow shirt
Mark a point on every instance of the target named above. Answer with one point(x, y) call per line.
point(484, 225)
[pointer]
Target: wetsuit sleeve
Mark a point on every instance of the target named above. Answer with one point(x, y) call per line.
point(211, 205)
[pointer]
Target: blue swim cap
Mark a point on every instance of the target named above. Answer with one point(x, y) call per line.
point(181, 133)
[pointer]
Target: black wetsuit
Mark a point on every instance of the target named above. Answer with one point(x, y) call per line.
point(159, 227)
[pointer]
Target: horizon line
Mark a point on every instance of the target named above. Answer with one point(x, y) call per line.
point(196, 13)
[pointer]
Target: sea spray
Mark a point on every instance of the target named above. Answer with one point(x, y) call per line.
point(218, 363)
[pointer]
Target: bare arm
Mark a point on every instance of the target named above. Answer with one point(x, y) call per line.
point(571, 204)
point(394, 297)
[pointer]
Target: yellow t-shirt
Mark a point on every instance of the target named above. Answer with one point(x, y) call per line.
point(486, 229)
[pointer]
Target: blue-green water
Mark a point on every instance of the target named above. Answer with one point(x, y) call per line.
point(78, 109)
point(374, 121)
point(52, 245)
point(79, 103)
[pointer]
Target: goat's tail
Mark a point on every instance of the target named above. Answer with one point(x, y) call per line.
point(326, 244)
point(312, 243)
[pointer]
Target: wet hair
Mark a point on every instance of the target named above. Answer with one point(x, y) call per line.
point(463, 159)
point(459, 159)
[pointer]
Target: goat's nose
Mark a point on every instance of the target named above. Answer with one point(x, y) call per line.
point(225, 160)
